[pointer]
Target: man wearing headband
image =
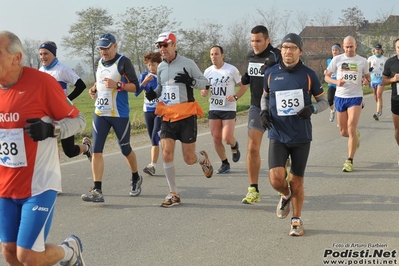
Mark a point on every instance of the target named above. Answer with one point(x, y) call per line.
point(335, 50)
point(115, 77)
point(376, 67)
point(65, 76)
point(352, 72)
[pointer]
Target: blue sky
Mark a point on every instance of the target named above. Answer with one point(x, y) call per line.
point(50, 20)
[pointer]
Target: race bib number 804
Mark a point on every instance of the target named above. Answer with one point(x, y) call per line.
point(254, 69)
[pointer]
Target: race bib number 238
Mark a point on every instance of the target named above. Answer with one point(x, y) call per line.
point(12, 148)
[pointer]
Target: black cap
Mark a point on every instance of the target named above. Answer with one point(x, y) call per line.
point(293, 38)
point(378, 46)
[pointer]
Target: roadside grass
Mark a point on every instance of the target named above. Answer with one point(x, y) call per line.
point(86, 106)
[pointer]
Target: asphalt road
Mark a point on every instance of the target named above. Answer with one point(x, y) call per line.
point(347, 216)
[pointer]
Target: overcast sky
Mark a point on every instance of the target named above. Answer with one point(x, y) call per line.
point(50, 20)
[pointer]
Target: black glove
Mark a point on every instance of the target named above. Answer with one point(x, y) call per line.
point(266, 119)
point(263, 69)
point(151, 95)
point(371, 69)
point(245, 79)
point(38, 129)
point(184, 78)
point(305, 112)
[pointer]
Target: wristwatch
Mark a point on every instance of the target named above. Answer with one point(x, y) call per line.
point(57, 129)
point(120, 86)
point(235, 97)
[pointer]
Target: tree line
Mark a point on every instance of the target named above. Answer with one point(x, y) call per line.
point(138, 27)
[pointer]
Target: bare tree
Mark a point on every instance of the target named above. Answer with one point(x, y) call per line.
point(204, 36)
point(285, 25)
point(382, 16)
point(83, 34)
point(271, 19)
point(301, 19)
point(238, 44)
point(31, 50)
point(352, 16)
point(79, 70)
point(140, 28)
point(323, 17)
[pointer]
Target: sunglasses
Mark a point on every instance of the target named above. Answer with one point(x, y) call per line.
point(164, 45)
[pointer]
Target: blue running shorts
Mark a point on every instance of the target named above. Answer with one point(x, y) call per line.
point(27, 221)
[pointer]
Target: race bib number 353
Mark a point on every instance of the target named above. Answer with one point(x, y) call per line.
point(289, 102)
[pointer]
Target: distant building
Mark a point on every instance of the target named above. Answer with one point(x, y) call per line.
point(317, 40)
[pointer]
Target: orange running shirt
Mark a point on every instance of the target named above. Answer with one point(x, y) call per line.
point(28, 168)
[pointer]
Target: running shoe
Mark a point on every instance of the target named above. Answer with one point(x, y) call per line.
point(94, 195)
point(224, 169)
point(283, 207)
point(74, 243)
point(358, 139)
point(206, 165)
point(149, 170)
point(135, 189)
point(296, 227)
point(252, 196)
point(332, 115)
point(86, 141)
point(237, 154)
point(375, 116)
point(171, 200)
point(348, 166)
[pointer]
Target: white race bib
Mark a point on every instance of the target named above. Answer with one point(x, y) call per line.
point(12, 148)
point(289, 102)
point(217, 100)
point(254, 69)
point(170, 95)
point(350, 73)
point(151, 103)
point(103, 101)
point(350, 77)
